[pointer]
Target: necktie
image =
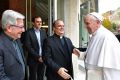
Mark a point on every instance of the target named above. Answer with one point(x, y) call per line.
point(19, 54)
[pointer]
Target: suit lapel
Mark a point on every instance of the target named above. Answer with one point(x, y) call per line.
point(57, 42)
point(67, 44)
point(41, 37)
point(33, 35)
point(11, 49)
point(23, 57)
point(21, 50)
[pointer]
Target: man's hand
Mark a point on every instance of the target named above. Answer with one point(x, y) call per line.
point(40, 59)
point(76, 52)
point(63, 73)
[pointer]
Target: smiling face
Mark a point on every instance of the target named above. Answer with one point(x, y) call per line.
point(59, 27)
point(15, 31)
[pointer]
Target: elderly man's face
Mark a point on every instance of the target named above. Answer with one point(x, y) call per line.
point(91, 24)
point(15, 31)
point(59, 28)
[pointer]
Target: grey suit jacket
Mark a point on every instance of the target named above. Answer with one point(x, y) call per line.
point(10, 65)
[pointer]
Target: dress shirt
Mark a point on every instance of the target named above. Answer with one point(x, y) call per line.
point(37, 32)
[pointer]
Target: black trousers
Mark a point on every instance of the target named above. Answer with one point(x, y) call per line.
point(36, 72)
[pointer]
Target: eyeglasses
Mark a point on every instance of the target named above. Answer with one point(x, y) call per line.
point(18, 26)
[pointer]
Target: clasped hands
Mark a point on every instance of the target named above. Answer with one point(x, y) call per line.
point(40, 59)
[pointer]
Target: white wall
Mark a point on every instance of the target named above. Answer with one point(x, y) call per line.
point(69, 10)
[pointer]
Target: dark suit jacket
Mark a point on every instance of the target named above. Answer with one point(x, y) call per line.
point(10, 65)
point(118, 37)
point(55, 57)
point(32, 45)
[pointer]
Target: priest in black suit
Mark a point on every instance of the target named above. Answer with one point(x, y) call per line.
point(58, 51)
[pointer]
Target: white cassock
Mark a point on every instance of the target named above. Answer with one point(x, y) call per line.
point(102, 57)
point(78, 68)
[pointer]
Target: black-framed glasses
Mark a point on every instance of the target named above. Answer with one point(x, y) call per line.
point(18, 26)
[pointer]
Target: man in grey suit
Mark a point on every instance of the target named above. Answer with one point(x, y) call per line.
point(12, 62)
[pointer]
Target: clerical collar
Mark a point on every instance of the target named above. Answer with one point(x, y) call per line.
point(61, 37)
point(58, 36)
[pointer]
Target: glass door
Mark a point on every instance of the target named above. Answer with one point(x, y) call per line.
point(84, 9)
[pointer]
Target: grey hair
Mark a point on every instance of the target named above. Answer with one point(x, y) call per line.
point(10, 17)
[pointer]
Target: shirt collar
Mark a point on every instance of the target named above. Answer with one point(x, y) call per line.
point(36, 29)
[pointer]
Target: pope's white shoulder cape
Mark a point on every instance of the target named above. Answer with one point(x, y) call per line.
point(103, 49)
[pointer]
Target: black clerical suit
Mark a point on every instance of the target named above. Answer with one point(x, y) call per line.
point(57, 55)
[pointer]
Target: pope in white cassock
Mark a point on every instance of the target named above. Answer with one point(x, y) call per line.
point(102, 57)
